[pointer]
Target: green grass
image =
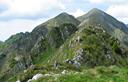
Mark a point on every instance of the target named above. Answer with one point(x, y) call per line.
point(98, 74)
point(44, 58)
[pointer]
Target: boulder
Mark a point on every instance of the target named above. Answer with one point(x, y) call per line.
point(79, 52)
point(25, 71)
point(78, 58)
point(56, 64)
point(68, 61)
point(18, 81)
point(32, 66)
point(77, 64)
point(29, 80)
point(64, 71)
point(37, 76)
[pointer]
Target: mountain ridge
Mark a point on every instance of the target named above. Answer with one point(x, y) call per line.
point(27, 46)
point(96, 17)
point(90, 40)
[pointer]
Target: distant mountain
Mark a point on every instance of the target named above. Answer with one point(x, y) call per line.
point(65, 43)
point(127, 25)
point(96, 17)
point(27, 46)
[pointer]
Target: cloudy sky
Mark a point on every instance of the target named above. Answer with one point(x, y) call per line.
point(23, 15)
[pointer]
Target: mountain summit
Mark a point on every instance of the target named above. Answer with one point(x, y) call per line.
point(96, 17)
point(60, 19)
point(92, 12)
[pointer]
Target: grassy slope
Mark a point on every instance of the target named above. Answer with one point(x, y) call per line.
point(94, 41)
point(98, 74)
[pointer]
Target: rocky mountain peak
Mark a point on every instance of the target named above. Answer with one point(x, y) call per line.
point(95, 13)
point(95, 10)
point(59, 20)
point(96, 17)
point(63, 14)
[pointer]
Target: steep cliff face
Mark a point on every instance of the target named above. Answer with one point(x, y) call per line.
point(54, 38)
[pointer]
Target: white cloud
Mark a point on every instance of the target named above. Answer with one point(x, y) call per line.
point(77, 13)
point(118, 10)
point(108, 1)
point(125, 20)
point(30, 7)
point(95, 1)
point(27, 8)
point(8, 28)
point(116, 1)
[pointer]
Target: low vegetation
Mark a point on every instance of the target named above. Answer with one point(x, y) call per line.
point(97, 74)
